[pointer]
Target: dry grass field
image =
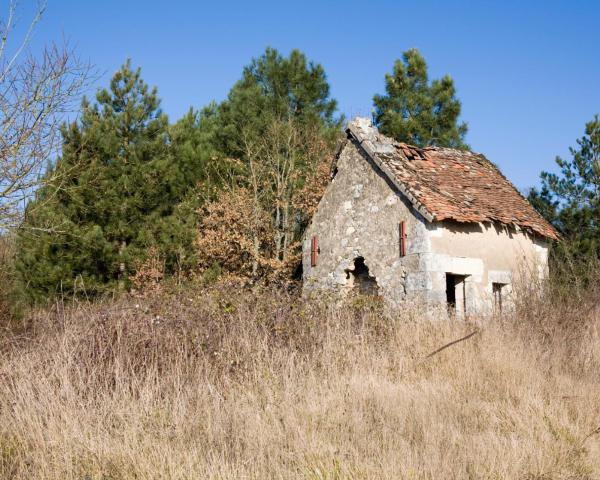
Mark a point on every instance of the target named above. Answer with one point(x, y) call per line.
point(235, 385)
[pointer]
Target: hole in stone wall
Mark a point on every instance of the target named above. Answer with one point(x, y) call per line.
point(359, 279)
point(298, 271)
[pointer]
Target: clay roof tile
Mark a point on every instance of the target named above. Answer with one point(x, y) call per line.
point(451, 184)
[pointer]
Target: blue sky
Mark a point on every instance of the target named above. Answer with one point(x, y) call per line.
point(527, 72)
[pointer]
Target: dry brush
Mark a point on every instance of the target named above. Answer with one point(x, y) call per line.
point(232, 384)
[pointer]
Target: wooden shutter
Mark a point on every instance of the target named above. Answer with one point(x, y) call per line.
point(402, 238)
point(314, 251)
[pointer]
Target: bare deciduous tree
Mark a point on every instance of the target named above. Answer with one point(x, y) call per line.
point(292, 157)
point(255, 225)
point(36, 93)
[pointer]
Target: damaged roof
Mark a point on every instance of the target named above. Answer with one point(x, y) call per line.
point(449, 184)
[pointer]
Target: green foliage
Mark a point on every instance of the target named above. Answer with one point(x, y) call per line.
point(273, 87)
point(570, 200)
point(194, 144)
point(211, 274)
point(127, 182)
point(417, 112)
point(116, 191)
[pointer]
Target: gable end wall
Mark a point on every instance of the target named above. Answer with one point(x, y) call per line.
point(359, 216)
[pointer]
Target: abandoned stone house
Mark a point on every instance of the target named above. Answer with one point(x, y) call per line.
point(437, 225)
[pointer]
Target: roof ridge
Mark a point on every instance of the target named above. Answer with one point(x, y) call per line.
point(363, 123)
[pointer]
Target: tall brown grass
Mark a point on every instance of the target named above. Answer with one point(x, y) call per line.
point(230, 384)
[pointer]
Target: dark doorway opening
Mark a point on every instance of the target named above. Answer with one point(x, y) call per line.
point(456, 293)
point(359, 279)
point(450, 290)
point(497, 289)
point(298, 271)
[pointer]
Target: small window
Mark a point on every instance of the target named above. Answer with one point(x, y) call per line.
point(497, 290)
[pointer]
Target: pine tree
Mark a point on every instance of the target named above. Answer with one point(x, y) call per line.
point(195, 145)
point(115, 192)
point(417, 112)
point(275, 88)
point(571, 200)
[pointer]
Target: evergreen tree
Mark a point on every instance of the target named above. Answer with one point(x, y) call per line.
point(417, 112)
point(114, 193)
point(195, 145)
point(570, 200)
point(275, 88)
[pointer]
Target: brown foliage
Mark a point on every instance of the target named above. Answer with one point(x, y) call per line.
point(308, 197)
point(148, 275)
point(235, 233)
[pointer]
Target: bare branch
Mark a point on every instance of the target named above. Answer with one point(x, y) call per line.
point(36, 94)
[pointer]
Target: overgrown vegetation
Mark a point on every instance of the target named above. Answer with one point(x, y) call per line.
point(118, 196)
point(227, 383)
point(202, 365)
point(131, 189)
point(128, 184)
point(279, 125)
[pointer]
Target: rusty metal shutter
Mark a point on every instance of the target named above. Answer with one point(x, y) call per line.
point(314, 251)
point(402, 238)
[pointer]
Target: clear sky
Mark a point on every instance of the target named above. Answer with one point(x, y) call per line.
point(527, 72)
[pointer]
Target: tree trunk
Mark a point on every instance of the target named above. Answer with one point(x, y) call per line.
point(122, 248)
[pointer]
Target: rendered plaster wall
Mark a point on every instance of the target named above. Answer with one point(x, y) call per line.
point(359, 216)
point(485, 254)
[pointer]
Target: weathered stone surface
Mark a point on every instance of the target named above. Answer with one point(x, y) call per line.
point(359, 217)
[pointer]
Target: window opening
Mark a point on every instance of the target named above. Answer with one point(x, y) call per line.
point(497, 290)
